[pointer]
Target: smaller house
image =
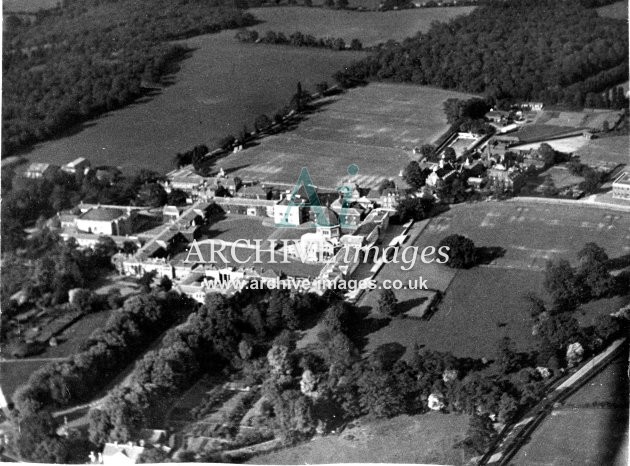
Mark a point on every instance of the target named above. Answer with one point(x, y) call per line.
point(497, 116)
point(78, 165)
point(534, 106)
point(37, 170)
point(120, 454)
point(290, 212)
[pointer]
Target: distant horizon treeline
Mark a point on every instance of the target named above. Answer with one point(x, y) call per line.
point(557, 52)
point(297, 39)
point(78, 61)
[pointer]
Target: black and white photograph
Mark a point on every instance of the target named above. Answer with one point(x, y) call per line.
point(288, 232)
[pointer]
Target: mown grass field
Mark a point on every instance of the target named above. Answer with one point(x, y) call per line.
point(375, 127)
point(14, 374)
point(421, 439)
point(28, 5)
point(578, 433)
point(221, 87)
point(618, 10)
point(369, 27)
point(614, 149)
point(485, 303)
point(70, 340)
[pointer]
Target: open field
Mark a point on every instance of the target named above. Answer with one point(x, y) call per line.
point(614, 149)
point(425, 439)
point(492, 296)
point(13, 374)
point(565, 438)
point(562, 177)
point(618, 10)
point(27, 6)
point(369, 27)
point(567, 145)
point(532, 233)
point(481, 306)
point(375, 127)
point(222, 86)
point(70, 340)
point(538, 132)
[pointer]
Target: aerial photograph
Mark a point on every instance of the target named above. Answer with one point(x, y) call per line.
point(287, 232)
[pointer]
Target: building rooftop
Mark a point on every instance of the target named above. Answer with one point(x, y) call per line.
point(103, 214)
point(623, 179)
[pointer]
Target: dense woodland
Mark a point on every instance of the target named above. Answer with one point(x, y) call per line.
point(554, 51)
point(85, 58)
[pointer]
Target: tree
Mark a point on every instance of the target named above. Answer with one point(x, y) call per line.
point(414, 208)
point(548, 187)
point(387, 302)
point(449, 155)
point(165, 283)
point(147, 280)
point(507, 358)
point(480, 434)
point(560, 282)
point(129, 247)
point(261, 123)
point(379, 394)
point(355, 44)
point(153, 455)
point(461, 251)
point(152, 195)
point(176, 197)
point(386, 184)
point(415, 176)
point(342, 4)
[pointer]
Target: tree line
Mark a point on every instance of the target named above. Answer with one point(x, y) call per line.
point(80, 60)
point(297, 39)
point(557, 52)
point(108, 350)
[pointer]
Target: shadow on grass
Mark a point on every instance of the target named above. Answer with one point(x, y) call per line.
point(408, 305)
point(488, 254)
point(361, 325)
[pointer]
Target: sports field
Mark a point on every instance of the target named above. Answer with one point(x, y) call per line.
point(422, 439)
point(374, 127)
point(485, 303)
point(222, 86)
point(369, 27)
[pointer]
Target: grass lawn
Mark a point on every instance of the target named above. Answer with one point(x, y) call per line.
point(369, 27)
point(27, 6)
point(481, 306)
point(566, 145)
point(426, 438)
point(561, 177)
point(618, 10)
point(565, 438)
point(375, 127)
point(221, 87)
point(235, 227)
point(14, 374)
point(537, 132)
point(614, 149)
point(71, 339)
